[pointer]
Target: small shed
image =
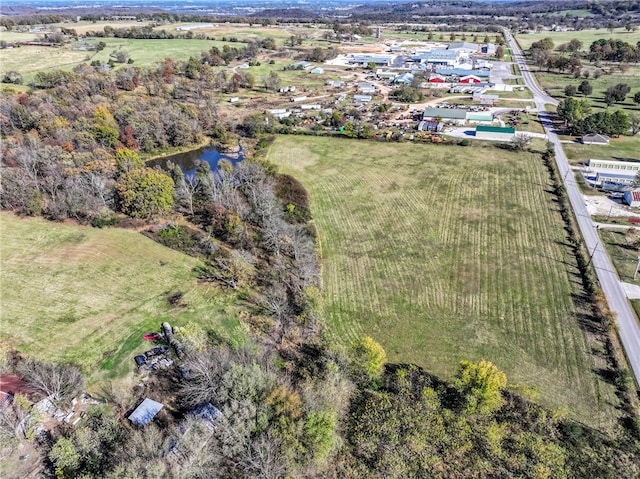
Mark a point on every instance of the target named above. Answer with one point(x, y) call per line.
point(595, 139)
point(145, 412)
point(632, 198)
point(494, 133)
point(362, 98)
point(317, 70)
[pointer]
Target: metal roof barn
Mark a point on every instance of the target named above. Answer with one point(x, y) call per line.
point(145, 412)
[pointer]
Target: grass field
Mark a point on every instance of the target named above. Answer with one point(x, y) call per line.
point(623, 148)
point(624, 258)
point(450, 253)
point(586, 36)
point(88, 295)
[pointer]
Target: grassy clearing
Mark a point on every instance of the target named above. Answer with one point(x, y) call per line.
point(556, 82)
point(586, 36)
point(29, 60)
point(450, 253)
point(624, 257)
point(623, 148)
point(88, 295)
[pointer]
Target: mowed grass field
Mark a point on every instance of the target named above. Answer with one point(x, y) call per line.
point(445, 253)
point(586, 36)
point(88, 295)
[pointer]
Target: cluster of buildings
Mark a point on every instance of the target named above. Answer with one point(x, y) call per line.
point(610, 175)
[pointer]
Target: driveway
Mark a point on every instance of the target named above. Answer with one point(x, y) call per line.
point(501, 71)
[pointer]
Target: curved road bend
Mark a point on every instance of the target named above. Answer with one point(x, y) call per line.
point(628, 326)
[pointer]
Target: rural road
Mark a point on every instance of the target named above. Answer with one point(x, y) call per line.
point(628, 327)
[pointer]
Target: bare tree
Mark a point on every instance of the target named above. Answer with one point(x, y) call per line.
point(263, 458)
point(520, 141)
point(58, 381)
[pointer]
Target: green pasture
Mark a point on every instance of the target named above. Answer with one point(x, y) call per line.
point(444, 253)
point(624, 257)
point(555, 83)
point(586, 36)
point(622, 148)
point(87, 295)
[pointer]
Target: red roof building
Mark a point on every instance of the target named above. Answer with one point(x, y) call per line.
point(470, 79)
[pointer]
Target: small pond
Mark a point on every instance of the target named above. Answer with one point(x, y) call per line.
point(187, 161)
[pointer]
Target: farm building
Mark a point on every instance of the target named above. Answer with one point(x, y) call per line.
point(484, 99)
point(463, 47)
point(367, 88)
point(317, 70)
point(335, 83)
point(383, 75)
point(405, 78)
point(482, 73)
point(470, 79)
point(595, 139)
point(488, 49)
point(364, 60)
point(438, 57)
point(145, 412)
point(494, 133)
point(186, 28)
point(608, 180)
point(435, 78)
point(362, 98)
point(300, 66)
point(632, 198)
point(450, 115)
point(480, 117)
point(279, 113)
point(619, 166)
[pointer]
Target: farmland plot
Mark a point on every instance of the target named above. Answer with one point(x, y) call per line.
point(87, 295)
point(444, 253)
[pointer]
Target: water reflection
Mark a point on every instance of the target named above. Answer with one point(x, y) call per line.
point(187, 161)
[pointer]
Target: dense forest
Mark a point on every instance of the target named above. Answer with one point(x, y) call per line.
point(291, 403)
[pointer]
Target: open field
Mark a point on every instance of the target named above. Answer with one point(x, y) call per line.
point(623, 148)
point(29, 60)
point(88, 295)
point(450, 253)
point(624, 258)
point(556, 82)
point(586, 36)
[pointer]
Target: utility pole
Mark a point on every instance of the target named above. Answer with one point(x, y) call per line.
point(592, 253)
point(635, 275)
point(609, 214)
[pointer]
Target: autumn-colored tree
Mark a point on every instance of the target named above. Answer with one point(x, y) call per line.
point(127, 160)
point(145, 192)
point(480, 383)
point(367, 360)
point(105, 128)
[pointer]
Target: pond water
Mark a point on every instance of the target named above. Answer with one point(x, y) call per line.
point(187, 161)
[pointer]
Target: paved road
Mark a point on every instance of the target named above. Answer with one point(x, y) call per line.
point(609, 282)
